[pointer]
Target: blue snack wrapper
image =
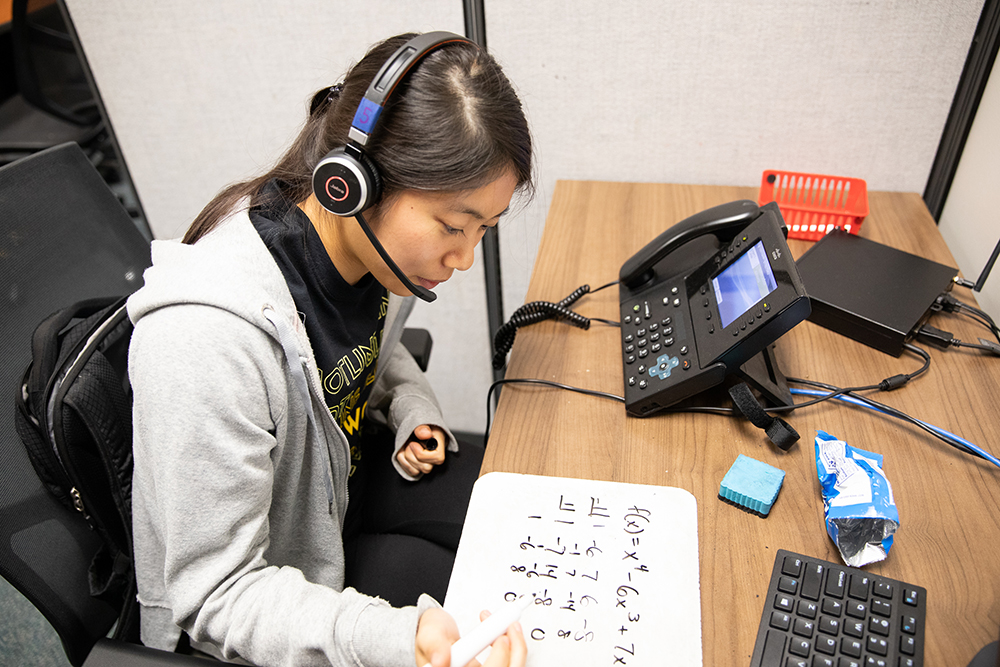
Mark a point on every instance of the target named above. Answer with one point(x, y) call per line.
point(860, 513)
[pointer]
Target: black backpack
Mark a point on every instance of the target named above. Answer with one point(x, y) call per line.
point(74, 415)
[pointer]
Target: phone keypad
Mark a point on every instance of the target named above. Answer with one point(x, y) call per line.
point(654, 342)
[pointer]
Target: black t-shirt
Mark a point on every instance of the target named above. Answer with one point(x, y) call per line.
point(344, 322)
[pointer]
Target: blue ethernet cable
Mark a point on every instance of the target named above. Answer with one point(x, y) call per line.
point(861, 402)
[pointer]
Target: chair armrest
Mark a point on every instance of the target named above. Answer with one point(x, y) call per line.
point(419, 344)
point(111, 653)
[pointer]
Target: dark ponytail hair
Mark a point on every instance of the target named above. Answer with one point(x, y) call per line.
point(454, 123)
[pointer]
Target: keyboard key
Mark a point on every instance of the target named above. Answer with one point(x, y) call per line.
point(780, 621)
point(859, 586)
point(803, 628)
point(848, 662)
point(857, 609)
point(877, 645)
point(812, 580)
point(907, 645)
point(882, 608)
point(909, 625)
point(791, 566)
point(827, 645)
point(800, 647)
point(911, 597)
point(808, 609)
point(823, 661)
point(835, 583)
point(883, 589)
point(854, 628)
point(829, 626)
point(784, 602)
point(851, 647)
point(788, 585)
point(879, 626)
point(833, 607)
point(774, 647)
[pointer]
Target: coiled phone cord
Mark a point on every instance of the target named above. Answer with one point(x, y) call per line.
point(537, 311)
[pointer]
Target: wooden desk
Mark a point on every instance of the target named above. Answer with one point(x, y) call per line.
point(949, 503)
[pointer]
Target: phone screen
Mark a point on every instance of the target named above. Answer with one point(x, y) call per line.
point(743, 283)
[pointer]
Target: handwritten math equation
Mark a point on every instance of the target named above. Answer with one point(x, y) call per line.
point(584, 561)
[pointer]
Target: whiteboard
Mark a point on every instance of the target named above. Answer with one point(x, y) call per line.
point(612, 567)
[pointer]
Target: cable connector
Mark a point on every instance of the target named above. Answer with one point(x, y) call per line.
point(947, 303)
point(964, 282)
point(934, 336)
point(990, 346)
point(895, 382)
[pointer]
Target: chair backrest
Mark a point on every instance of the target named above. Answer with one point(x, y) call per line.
point(65, 238)
point(49, 73)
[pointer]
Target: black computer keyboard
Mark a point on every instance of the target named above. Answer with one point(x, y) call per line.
point(823, 614)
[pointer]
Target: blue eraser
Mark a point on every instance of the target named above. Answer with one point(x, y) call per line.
point(751, 485)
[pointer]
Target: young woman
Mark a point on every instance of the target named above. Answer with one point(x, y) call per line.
point(270, 385)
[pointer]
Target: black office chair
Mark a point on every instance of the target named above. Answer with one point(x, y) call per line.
point(65, 238)
point(54, 103)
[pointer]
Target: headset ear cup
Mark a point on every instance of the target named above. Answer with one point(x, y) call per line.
point(375, 193)
point(343, 184)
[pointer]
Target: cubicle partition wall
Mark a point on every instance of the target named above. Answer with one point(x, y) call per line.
point(201, 94)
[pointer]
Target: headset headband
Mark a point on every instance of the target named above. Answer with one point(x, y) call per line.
point(391, 73)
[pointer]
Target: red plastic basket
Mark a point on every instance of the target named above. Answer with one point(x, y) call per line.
point(813, 204)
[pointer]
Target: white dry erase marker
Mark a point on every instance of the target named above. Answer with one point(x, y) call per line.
point(484, 634)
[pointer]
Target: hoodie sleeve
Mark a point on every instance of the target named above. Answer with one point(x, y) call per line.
point(404, 395)
point(209, 390)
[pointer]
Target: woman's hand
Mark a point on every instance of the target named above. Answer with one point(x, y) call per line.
point(509, 649)
point(436, 632)
point(415, 458)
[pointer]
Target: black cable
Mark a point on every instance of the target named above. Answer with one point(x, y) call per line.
point(982, 318)
point(885, 385)
point(888, 384)
point(834, 392)
point(547, 383)
point(537, 311)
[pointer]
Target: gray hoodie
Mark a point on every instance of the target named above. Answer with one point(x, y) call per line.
point(240, 482)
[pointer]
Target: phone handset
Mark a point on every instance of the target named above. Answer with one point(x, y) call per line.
point(733, 216)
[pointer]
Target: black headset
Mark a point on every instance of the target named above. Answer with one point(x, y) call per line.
point(346, 181)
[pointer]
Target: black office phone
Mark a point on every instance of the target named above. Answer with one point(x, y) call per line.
point(703, 299)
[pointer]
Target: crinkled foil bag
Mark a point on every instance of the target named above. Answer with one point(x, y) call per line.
point(859, 510)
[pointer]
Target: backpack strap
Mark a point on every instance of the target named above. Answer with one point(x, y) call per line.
point(46, 347)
